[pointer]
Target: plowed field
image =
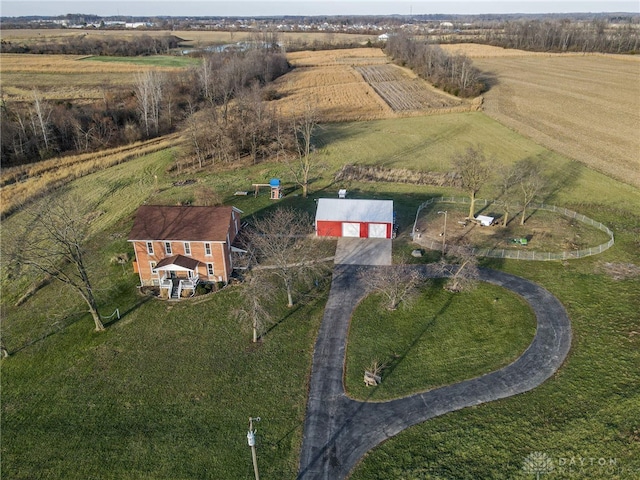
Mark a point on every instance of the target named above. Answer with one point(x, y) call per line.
point(402, 92)
point(586, 107)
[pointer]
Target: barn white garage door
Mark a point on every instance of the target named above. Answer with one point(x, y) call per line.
point(350, 229)
point(377, 230)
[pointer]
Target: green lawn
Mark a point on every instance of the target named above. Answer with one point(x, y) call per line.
point(167, 391)
point(589, 409)
point(153, 60)
point(442, 338)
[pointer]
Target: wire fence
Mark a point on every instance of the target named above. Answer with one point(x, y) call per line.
point(512, 253)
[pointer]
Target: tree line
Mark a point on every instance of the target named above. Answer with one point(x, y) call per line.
point(562, 35)
point(454, 74)
point(157, 103)
point(96, 44)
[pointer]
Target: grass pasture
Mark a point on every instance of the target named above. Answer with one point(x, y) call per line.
point(436, 340)
point(151, 61)
point(166, 393)
point(586, 107)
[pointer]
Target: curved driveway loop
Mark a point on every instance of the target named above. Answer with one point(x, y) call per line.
point(338, 431)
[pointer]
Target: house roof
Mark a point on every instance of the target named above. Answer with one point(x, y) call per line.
point(160, 222)
point(354, 210)
point(177, 262)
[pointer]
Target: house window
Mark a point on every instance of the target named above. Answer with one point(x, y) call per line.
point(207, 249)
point(187, 248)
point(153, 268)
point(167, 248)
point(235, 224)
point(210, 269)
point(150, 248)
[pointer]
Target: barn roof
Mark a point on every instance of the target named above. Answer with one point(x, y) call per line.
point(354, 210)
point(182, 223)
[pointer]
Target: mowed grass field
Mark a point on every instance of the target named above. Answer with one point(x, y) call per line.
point(586, 107)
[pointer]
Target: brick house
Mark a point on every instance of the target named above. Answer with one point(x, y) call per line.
point(178, 246)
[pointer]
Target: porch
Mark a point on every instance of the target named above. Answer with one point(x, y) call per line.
point(178, 276)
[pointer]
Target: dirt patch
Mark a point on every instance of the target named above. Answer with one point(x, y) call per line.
point(543, 231)
point(620, 271)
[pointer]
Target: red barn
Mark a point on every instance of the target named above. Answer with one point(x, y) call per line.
point(341, 217)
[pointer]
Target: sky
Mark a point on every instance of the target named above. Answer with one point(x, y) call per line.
point(307, 7)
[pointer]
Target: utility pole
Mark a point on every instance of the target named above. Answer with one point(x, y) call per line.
point(251, 439)
point(444, 234)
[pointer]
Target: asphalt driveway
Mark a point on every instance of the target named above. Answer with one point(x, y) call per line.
point(338, 431)
point(363, 251)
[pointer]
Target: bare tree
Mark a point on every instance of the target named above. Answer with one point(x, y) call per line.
point(303, 128)
point(257, 292)
point(461, 267)
point(281, 243)
point(149, 93)
point(530, 182)
point(507, 184)
point(41, 119)
point(472, 170)
point(396, 283)
point(51, 242)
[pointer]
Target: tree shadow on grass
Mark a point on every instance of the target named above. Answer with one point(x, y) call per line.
point(398, 359)
point(61, 325)
point(128, 311)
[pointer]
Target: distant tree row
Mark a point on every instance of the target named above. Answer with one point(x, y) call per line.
point(454, 74)
point(157, 103)
point(96, 44)
point(566, 36)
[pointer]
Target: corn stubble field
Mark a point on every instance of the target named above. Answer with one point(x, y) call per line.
point(360, 84)
point(586, 107)
point(64, 77)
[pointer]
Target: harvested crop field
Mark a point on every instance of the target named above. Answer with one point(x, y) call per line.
point(64, 77)
point(359, 84)
point(586, 107)
point(403, 92)
point(192, 38)
point(337, 92)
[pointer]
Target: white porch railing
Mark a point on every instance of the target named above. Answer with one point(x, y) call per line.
point(188, 284)
point(184, 284)
point(165, 282)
